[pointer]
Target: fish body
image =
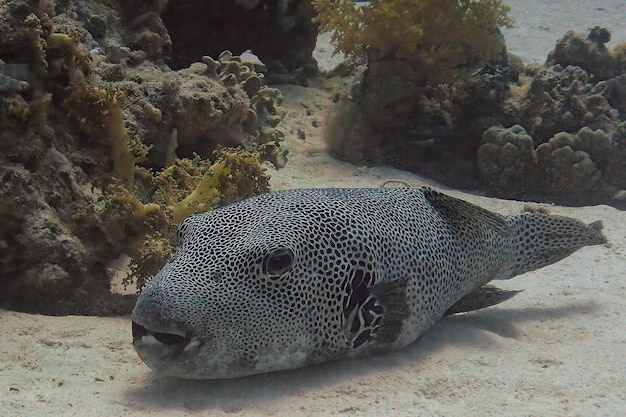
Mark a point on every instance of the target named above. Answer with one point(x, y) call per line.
point(294, 278)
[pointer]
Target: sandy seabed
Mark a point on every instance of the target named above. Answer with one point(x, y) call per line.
point(557, 349)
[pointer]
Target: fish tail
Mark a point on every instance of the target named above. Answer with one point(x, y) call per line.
point(540, 239)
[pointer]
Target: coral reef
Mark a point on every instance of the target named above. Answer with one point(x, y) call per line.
point(571, 164)
point(193, 110)
point(573, 108)
point(280, 33)
point(588, 53)
point(501, 127)
point(507, 161)
point(564, 99)
point(103, 148)
point(410, 107)
point(568, 168)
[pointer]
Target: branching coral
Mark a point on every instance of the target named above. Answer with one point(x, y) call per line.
point(186, 188)
point(439, 36)
point(99, 114)
point(265, 110)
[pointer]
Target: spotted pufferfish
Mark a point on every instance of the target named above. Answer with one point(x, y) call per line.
point(290, 279)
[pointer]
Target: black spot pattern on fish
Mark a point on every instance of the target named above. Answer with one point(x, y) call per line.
point(294, 278)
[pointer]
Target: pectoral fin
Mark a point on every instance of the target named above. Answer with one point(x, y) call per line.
point(483, 297)
point(392, 297)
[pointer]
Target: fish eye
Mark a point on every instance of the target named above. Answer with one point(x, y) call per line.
point(278, 261)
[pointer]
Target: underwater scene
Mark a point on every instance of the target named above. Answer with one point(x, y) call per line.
point(312, 208)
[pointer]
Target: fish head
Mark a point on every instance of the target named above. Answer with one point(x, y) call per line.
point(252, 288)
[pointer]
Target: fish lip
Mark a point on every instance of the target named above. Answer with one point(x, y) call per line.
point(173, 340)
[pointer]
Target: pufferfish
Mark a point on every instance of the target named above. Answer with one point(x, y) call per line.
point(290, 279)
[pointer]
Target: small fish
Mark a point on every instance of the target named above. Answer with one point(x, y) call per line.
point(295, 278)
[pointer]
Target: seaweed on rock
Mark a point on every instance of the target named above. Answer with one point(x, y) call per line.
point(98, 114)
point(187, 187)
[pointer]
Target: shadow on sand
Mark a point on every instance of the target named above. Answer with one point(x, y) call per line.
point(478, 330)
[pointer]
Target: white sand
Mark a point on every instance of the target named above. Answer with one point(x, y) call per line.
point(540, 23)
point(557, 349)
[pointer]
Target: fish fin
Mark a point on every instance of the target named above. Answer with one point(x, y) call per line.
point(392, 297)
point(458, 212)
point(362, 312)
point(597, 225)
point(541, 239)
point(483, 297)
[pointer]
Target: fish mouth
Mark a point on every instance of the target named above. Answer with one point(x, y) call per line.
point(169, 338)
point(171, 342)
